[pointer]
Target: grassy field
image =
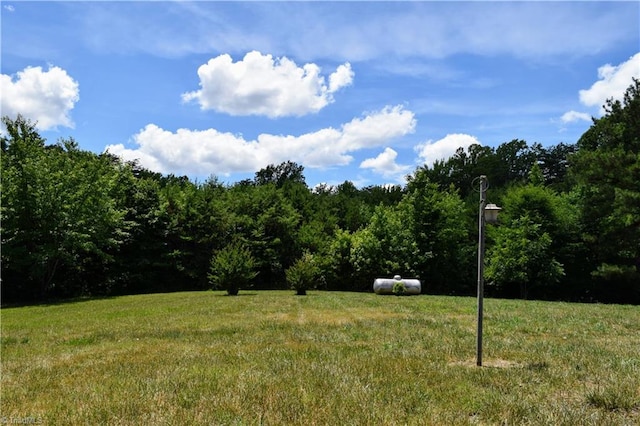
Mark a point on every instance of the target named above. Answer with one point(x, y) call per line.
point(333, 358)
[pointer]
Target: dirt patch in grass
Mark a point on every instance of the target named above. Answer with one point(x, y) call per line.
point(488, 363)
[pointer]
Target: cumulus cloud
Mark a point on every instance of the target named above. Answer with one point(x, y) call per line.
point(43, 96)
point(613, 82)
point(262, 85)
point(205, 152)
point(385, 164)
point(430, 152)
point(573, 116)
point(342, 77)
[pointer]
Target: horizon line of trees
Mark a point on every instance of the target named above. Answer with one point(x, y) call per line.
point(76, 223)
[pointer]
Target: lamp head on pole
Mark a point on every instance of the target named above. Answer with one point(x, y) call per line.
point(491, 213)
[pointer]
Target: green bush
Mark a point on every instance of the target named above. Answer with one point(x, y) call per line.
point(232, 268)
point(399, 288)
point(302, 275)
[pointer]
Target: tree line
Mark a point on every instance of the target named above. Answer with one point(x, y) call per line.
point(76, 223)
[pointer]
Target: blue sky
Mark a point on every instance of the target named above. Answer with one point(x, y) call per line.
point(359, 91)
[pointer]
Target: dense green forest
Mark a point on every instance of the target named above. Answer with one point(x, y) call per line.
point(76, 223)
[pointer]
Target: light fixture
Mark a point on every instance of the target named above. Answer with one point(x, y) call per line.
point(491, 213)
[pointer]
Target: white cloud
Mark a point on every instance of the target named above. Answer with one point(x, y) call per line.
point(385, 164)
point(261, 85)
point(443, 149)
point(206, 152)
point(613, 82)
point(342, 77)
point(573, 116)
point(377, 128)
point(9, 7)
point(44, 96)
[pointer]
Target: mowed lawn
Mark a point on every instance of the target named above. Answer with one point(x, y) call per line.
point(334, 358)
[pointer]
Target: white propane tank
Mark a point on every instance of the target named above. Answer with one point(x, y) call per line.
point(385, 285)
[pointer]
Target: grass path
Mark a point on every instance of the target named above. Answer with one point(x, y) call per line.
point(327, 358)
